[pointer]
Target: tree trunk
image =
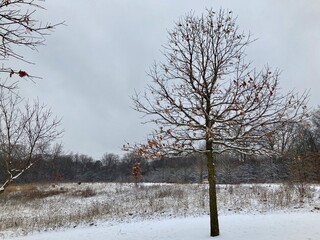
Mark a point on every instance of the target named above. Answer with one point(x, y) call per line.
point(214, 224)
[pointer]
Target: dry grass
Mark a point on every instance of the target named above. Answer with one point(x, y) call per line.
point(266, 198)
point(29, 192)
point(20, 188)
point(27, 208)
point(88, 192)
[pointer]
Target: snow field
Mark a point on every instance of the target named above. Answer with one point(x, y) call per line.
point(295, 226)
point(67, 206)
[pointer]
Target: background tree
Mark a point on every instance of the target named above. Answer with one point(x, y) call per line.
point(200, 166)
point(110, 162)
point(26, 134)
point(303, 155)
point(205, 93)
point(19, 29)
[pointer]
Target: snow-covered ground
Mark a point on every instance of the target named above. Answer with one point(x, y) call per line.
point(284, 226)
point(159, 211)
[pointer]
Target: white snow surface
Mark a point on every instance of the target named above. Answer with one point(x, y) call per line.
point(279, 226)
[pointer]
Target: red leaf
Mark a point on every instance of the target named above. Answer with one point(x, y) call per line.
point(23, 74)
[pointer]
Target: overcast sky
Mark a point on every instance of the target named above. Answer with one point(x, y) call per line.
point(92, 66)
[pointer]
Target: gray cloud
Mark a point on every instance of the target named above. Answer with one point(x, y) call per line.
point(92, 66)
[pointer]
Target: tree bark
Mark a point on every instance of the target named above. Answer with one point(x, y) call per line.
point(214, 224)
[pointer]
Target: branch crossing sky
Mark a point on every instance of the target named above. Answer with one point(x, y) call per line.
point(92, 66)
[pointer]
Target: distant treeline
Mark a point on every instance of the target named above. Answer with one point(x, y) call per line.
point(191, 169)
point(299, 162)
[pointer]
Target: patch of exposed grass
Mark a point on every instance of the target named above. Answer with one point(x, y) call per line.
point(20, 188)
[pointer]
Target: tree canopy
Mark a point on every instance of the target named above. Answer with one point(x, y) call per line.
point(206, 97)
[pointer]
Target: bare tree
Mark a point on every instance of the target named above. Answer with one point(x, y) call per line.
point(109, 160)
point(205, 93)
point(316, 127)
point(303, 154)
point(20, 28)
point(26, 134)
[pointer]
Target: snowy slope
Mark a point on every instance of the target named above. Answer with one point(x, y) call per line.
point(284, 226)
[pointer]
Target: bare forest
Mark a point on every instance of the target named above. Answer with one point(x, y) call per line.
point(300, 163)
